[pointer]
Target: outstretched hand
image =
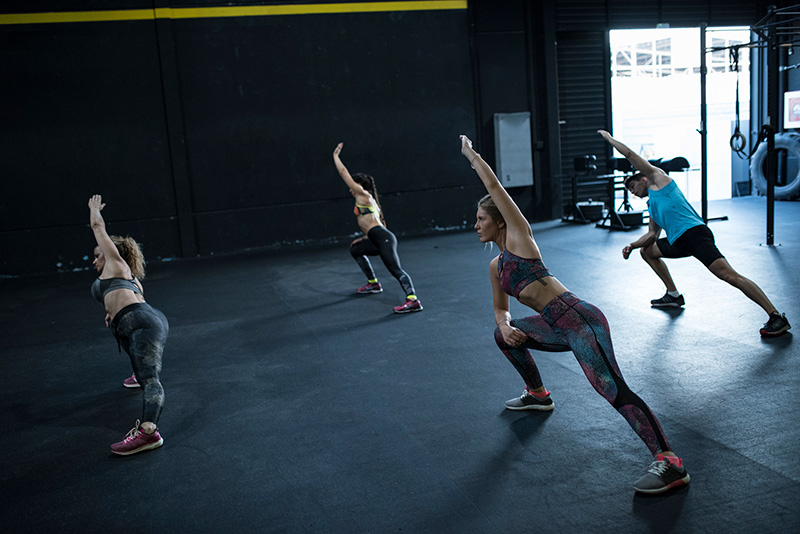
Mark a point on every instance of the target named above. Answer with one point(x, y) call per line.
point(605, 134)
point(466, 145)
point(337, 150)
point(96, 202)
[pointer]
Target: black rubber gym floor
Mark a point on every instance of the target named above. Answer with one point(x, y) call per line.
point(295, 405)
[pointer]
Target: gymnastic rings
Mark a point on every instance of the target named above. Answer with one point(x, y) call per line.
point(738, 143)
point(790, 142)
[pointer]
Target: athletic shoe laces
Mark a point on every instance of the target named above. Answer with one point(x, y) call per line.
point(658, 468)
point(132, 434)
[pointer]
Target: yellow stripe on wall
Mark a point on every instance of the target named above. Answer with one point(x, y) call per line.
point(228, 11)
point(77, 16)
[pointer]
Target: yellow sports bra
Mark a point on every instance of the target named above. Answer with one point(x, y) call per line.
point(360, 210)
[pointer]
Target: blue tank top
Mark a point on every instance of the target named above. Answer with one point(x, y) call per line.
point(100, 288)
point(517, 273)
point(671, 211)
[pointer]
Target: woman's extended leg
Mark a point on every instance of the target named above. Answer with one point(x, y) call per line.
point(586, 330)
point(386, 243)
point(147, 346)
point(143, 332)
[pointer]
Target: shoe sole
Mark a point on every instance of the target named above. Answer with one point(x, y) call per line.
point(534, 407)
point(765, 333)
point(131, 385)
point(677, 484)
point(665, 305)
point(143, 448)
point(408, 311)
point(370, 291)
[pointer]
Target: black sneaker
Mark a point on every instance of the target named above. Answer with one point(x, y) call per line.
point(661, 476)
point(668, 301)
point(531, 402)
point(777, 325)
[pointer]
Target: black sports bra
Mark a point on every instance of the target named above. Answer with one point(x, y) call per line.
point(517, 273)
point(102, 287)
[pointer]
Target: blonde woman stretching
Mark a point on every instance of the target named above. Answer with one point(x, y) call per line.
point(563, 323)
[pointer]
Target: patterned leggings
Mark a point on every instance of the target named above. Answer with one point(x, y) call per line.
point(381, 242)
point(568, 323)
point(141, 331)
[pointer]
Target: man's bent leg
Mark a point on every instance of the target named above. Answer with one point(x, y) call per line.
point(652, 255)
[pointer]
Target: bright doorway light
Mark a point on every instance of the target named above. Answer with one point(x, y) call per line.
point(655, 95)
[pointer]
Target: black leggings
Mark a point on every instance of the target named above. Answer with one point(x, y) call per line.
point(141, 331)
point(381, 242)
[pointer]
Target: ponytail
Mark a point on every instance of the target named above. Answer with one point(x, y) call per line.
point(368, 183)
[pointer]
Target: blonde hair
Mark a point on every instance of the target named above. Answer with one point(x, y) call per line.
point(131, 252)
point(488, 205)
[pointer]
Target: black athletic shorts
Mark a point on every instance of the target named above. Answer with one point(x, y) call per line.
point(697, 241)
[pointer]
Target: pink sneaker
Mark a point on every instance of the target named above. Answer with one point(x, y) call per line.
point(373, 287)
point(409, 306)
point(137, 441)
point(131, 382)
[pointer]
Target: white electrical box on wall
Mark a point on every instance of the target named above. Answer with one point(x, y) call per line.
point(512, 146)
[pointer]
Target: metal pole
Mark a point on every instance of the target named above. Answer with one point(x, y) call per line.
point(773, 94)
point(703, 131)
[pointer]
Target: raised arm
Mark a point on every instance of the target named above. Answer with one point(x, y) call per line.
point(515, 220)
point(641, 164)
point(114, 262)
point(354, 186)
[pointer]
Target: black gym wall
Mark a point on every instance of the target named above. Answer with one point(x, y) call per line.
point(212, 135)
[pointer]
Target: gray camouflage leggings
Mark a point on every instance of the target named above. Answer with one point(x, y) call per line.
point(141, 331)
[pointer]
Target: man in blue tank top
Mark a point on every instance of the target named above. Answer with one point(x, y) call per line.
point(686, 235)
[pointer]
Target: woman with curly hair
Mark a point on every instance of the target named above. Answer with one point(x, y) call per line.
point(140, 329)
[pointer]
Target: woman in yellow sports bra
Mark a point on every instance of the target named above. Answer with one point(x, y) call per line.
point(377, 240)
point(563, 323)
point(140, 329)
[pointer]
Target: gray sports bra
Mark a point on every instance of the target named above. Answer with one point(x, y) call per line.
point(100, 288)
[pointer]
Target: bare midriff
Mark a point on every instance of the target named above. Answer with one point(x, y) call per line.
point(115, 300)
